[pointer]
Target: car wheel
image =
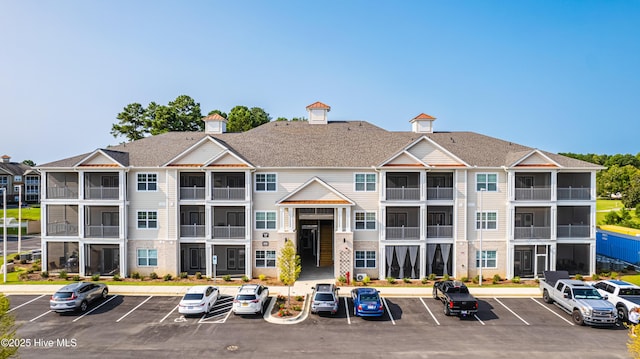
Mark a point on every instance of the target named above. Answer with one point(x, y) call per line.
point(623, 316)
point(105, 292)
point(435, 293)
point(261, 309)
point(447, 311)
point(83, 306)
point(546, 297)
point(355, 311)
point(577, 317)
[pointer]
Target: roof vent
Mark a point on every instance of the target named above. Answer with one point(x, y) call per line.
point(214, 124)
point(318, 113)
point(422, 123)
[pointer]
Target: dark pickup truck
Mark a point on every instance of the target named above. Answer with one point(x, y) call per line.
point(455, 297)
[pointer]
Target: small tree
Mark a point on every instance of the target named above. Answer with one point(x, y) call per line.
point(7, 328)
point(289, 266)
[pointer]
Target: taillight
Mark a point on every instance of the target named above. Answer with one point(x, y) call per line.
point(255, 301)
point(360, 307)
point(381, 307)
point(52, 297)
point(236, 301)
point(476, 305)
point(73, 296)
point(451, 304)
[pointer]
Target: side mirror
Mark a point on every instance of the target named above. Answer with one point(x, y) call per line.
point(606, 297)
point(565, 295)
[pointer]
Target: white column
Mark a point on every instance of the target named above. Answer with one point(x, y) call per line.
point(282, 223)
point(423, 185)
point(423, 221)
point(208, 253)
point(340, 224)
point(348, 219)
point(292, 219)
point(554, 186)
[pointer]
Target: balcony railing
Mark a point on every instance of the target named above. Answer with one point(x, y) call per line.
point(403, 194)
point(441, 193)
point(228, 232)
point(61, 192)
point(192, 230)
point(532, 232)
point(573, 194)
point(62, 229)
point(573, 231)
point(102, 193)
point(533, 194)
point(100, 231)
point(192, 192)
point(228, 193)
point(440, 231)
point(402, 232)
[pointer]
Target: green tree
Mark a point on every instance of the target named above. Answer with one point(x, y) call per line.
point(242, 118)
point(7, 328)
point(615, 179)
point(289, 266)
point(631, 194)
point(212, 112)
point(29, 163)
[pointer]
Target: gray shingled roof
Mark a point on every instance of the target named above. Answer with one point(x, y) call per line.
point(14, 168)
point(337, 144)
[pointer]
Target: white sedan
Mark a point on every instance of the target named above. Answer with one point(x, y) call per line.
point(198, 300)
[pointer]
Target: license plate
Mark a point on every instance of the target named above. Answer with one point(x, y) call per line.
point(189, 308)
point(245, 304)
point(371, 307)
point(464, 312)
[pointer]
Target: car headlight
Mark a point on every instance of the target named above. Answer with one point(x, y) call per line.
point(586, 311)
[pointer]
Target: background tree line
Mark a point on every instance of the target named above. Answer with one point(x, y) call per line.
point(182, 114)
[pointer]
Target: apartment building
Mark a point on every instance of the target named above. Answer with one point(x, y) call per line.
point(353, 197)
point(19, 179)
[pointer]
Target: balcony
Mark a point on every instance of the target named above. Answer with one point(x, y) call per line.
point(533, 186)
point(192, 231)
point(574, 194)
point(62, 193)
point(440, 231)
point(573, 231)
point(228, 194)
point(228, 232)
point(62, 229)
point(228, 186)
point(403, 194)
point(101, 186)
point(396, 233)
point(102, 231)
point(102, 222)
point(403, 186)
point(533, 194)
point(192, 185)
point(440, 193)
point(62, 185)
point(574, 186)
point(532, 232)
point(192, 193)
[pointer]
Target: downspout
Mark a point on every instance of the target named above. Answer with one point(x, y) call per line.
point(510, 247)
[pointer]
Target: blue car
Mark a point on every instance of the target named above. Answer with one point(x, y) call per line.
point(367, 302)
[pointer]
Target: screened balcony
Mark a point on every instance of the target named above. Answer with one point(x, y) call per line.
point(532, 223)
point(102, 222)
point(533, 186)
point(101, 185)
point(62, 185)
point(402, 223)
point(439, 186)
point(440, 222)
point(62, 220)
point(192, 221)
point(573, 222)
point(403, 186)
point(574, 186)
point(228, 186)
point(229, 222)
point(192, 185)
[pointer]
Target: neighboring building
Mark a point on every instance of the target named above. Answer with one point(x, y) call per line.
point(14, 175)
point(618, 245)
point(352, 196)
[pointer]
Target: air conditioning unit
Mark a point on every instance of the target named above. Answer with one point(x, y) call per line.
point(360, 276)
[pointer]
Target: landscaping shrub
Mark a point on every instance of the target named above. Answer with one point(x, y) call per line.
point(496, 278)
point(23, 261)
point(432, 276)
point(95, 277)
point(36, 267)
point(44, 274)
point(464, 279)
point(117, 278)
point(23, 276)
point(30, 270)
point(16, 257)
point(476, 279)
point(299, 298)
point(62, 274)
point(198, 275)
point(342, 279)
point(391, 280)
point(76, 278)
point(167, 277)
point(446, 277)
point(578, 276)
point(297, 308)
point(595, 276)
point(135, 275)
point(183, 275)
point(153, 275)
point(406, 280)
point(366, 280)
point(226, 278)
point(425, 280)
point(515, 279)
point(262, 277)
point(614, 275)
point(245, 278)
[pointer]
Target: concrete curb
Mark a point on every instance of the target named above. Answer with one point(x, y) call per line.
point(293, 320)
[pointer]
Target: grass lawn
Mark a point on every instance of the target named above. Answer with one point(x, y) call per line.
point(603, 206)
point(28, 214)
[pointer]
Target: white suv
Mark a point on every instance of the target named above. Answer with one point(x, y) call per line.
point(250, 299)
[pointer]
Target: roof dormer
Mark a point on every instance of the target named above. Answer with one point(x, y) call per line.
point(318, 113)
point(215, 124)
point(422, 123)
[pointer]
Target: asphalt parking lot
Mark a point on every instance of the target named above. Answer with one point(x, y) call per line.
point(150, 326)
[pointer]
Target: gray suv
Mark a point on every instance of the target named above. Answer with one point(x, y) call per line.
point(77, 296)
point(325, 298)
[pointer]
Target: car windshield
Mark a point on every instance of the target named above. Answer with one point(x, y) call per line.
point(324, 297)
point(368, 298)
point(192, 296)
point(246, 297)
point(630, 291)
point(62, 295)
point(586, 294)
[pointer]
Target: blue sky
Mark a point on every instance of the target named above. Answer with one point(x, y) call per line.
point(561, 76)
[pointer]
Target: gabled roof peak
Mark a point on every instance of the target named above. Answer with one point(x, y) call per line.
point(319, 105)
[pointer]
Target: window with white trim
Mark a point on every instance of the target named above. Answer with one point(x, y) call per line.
point(489, 259)
point(365, 182)
point(487, 182)
point(4, 180)
point(266, 182)
point(486, 220)
point(365, 259)
point(266, 220)
point(147, 182)
point(265, 259)
point(147, 257)
point(365, 220)
point(147, 219)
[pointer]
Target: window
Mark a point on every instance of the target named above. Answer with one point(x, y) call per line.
point(4, 180)
point(265, 259)
point(489, 220)
point(266, 220)
point(17, 178)
point(365, 182)
point(147, 219)
point(365, 259)
point(265, 182)
point(147, 182)
point(365, 220)
point(487, 181)
point(147, 257)
point(489, 259)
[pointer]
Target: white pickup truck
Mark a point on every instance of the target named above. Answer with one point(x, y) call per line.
point(622, 294)
point(577, 298)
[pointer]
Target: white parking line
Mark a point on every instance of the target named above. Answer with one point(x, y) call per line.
point(92, 310)
point(478, 319)
point(41, 315)
point(386, 306)
point(23, 304)
point(346, 309)
point(556, 314)
point(429, 310)
point(129, 312)
point(512, 312)
point(168, 314)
